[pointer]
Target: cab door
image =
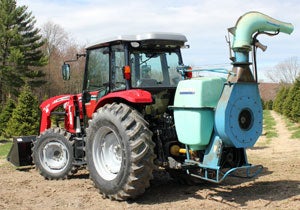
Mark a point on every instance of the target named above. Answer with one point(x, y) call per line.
point(96, 82)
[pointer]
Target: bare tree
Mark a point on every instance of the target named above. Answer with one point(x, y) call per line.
point(55, 36)
point(56, 40)
point(59, 47)
point(74, 85)
point(286, 71)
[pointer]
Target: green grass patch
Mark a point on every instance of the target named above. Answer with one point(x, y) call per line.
point(271, 134)
point(296, 134)
point(4, 149)
point(289, 123)
point(269, 125)
point(293, 127)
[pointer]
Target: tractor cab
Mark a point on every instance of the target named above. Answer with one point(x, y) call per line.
point(131, 69)
point(139, 61)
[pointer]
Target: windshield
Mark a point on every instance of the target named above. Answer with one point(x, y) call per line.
point(153, 69)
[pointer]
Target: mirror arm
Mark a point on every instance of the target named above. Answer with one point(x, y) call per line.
point(77, 57)
point(66, 66)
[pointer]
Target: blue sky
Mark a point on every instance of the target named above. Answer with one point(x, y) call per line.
point(204, 22)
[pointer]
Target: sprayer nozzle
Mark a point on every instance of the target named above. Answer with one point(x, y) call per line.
point(261, 46)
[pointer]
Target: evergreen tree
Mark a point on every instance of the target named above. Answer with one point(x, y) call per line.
point(276, 100)
point(288, 102)
point(6, 114)
point(25, 117)
point(270, 105)
point(20, 49)
point(295, 110)
point(280, 98)
point(267, 105)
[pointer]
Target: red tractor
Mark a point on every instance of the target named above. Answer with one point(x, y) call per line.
point(129, 81)
point(140, 109)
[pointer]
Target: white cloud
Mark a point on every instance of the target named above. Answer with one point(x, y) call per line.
point(204, 22)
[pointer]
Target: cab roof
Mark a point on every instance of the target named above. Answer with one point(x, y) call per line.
point(172, 38)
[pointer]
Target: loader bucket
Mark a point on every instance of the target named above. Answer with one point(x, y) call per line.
point(20, 152)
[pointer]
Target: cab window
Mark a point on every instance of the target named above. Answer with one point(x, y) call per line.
point(152, 69)
point(98, 69)
point(117, 64)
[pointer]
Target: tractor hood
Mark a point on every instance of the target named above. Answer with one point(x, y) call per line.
point(252, 22)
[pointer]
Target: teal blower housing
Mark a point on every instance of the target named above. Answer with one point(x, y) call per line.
point(226, 115)
point(238, 117)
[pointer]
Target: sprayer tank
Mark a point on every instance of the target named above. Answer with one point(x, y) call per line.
point(194, 104)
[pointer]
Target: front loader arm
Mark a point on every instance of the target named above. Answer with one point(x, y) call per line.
point(49, 106)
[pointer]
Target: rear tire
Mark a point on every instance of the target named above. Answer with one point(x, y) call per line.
point(119, 152)
point(53, 154)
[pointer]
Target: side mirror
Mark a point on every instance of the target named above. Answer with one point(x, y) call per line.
point(65, 70)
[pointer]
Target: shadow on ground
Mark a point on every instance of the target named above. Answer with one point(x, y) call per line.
point(3, 141)
point(236, 191)
point(265, 190)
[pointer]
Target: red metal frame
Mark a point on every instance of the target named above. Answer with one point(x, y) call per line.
point(48, 106)
point(69, 102)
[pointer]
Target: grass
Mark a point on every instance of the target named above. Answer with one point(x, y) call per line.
point(294, 128)
point(4, 149)
point(269, 125)
point(296, 134)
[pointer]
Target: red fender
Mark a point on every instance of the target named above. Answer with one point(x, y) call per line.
point(135, 96)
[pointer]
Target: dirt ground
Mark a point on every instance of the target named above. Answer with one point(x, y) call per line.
point(277, 187)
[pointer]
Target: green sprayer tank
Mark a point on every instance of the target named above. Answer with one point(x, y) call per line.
point(194, 105)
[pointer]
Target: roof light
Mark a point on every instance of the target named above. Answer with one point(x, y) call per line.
point(134, 44)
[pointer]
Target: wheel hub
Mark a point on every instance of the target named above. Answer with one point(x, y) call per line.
point(55, 155)
point(108, 153)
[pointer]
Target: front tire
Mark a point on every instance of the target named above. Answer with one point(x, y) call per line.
point(53, 154)
point(119, 152)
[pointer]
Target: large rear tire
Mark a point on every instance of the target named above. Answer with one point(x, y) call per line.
point(53, 154)
point(119, 152)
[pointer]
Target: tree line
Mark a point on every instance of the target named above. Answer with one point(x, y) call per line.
point(30, 67)
point(33, 56)
point(287, 101)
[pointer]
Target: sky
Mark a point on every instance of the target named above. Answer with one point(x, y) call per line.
point(204, 22)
